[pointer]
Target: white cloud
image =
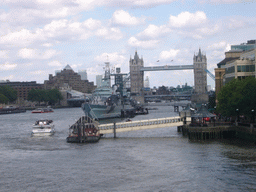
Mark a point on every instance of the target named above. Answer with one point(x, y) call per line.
point(224, 1)
point(23, 37)
point(59, 31)
point(114, 58)
point(92, 24)
point(154, 32)
point(55, 64)
point(137, 3)
point(47, 44)
point(39, 72)
point(186, 19)
point(4, 54)
point(123, 18)
point(220, 45)
point(7, 66)
point(109, 33)
point(147, 44)
point(26, 53)
point(165, 55)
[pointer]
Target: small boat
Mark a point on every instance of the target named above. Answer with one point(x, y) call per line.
point(43, 127)
point(85, 130)
point(43, 110)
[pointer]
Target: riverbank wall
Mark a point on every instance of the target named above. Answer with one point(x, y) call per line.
point(219, 132)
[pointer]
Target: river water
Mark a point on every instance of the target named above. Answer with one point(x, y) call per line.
point(148, 160)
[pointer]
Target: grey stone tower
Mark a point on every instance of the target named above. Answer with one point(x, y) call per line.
point(200, 79)
point(137, 78)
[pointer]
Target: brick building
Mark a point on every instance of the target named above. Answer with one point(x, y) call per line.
point(22, 88)
point(67, 76)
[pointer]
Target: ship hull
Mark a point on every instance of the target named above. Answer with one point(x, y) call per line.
point(88, 139)
point(102, 111)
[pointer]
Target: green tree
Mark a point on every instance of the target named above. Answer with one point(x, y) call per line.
point(38, 95)
point(3, 99)
point(237, 95)
point(54, 96)
point(8, 92)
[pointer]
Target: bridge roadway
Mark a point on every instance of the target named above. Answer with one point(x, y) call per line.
point(167, 67)
point(141, 125)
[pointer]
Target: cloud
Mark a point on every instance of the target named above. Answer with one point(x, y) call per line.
point(145, 44)
point(26, 53)
point(92, 24)
point(186, 19)
point(55, 64)
point(123, 18)
point(4, 54)
point(59, 31)
point(114, 58)
point(22, 37)
point(154, 32)
point(137, 3)
point(224, 1)
point(7, 66)
point(109, 33)
point(165, 55)
point(220, 46)
point(38, 72)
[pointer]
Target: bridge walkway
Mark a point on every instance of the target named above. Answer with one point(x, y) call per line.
point(141, 125)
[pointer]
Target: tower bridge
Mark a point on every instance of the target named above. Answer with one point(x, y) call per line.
point(200, 76)
point(167, 67)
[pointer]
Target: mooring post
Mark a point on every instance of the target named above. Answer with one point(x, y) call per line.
point(114, 129)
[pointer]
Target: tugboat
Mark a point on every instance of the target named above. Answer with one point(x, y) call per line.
point(85, 130)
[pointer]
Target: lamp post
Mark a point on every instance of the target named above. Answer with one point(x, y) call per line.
point(237, 112)
point(253, 115)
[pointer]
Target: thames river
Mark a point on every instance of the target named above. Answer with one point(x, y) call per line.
point(148, 160)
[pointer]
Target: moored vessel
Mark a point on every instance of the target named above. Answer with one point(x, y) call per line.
point(106, 100)
point(43, 128)
point(43, 110)
point(11, 110)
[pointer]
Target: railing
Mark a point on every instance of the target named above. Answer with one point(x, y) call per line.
point(150, 122)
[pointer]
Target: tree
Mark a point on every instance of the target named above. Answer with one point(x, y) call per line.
point(38, 95)
point(237, 95)
point(3, 99)
point(54, 96)
point(8, 92)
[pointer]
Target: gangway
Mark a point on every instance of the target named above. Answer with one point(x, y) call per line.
point(141, 125)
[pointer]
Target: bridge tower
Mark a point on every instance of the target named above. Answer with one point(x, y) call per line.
point(200, 79)
point(137, 78)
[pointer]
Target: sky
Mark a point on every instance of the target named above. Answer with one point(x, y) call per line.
point(39, 37)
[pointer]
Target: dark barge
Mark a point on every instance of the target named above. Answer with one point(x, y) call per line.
point(11, 110)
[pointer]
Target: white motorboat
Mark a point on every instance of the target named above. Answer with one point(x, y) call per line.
point(43, 127)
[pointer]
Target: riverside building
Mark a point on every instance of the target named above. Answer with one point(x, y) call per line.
point(22, 88)
point(67, 76)
point(239, 63)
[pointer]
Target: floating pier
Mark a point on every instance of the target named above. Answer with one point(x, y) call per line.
point(84, 130)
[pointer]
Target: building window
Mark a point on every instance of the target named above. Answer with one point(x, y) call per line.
point(230, 70)
point(245, 68)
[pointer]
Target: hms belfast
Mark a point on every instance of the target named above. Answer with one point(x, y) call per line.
point(109, 101)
